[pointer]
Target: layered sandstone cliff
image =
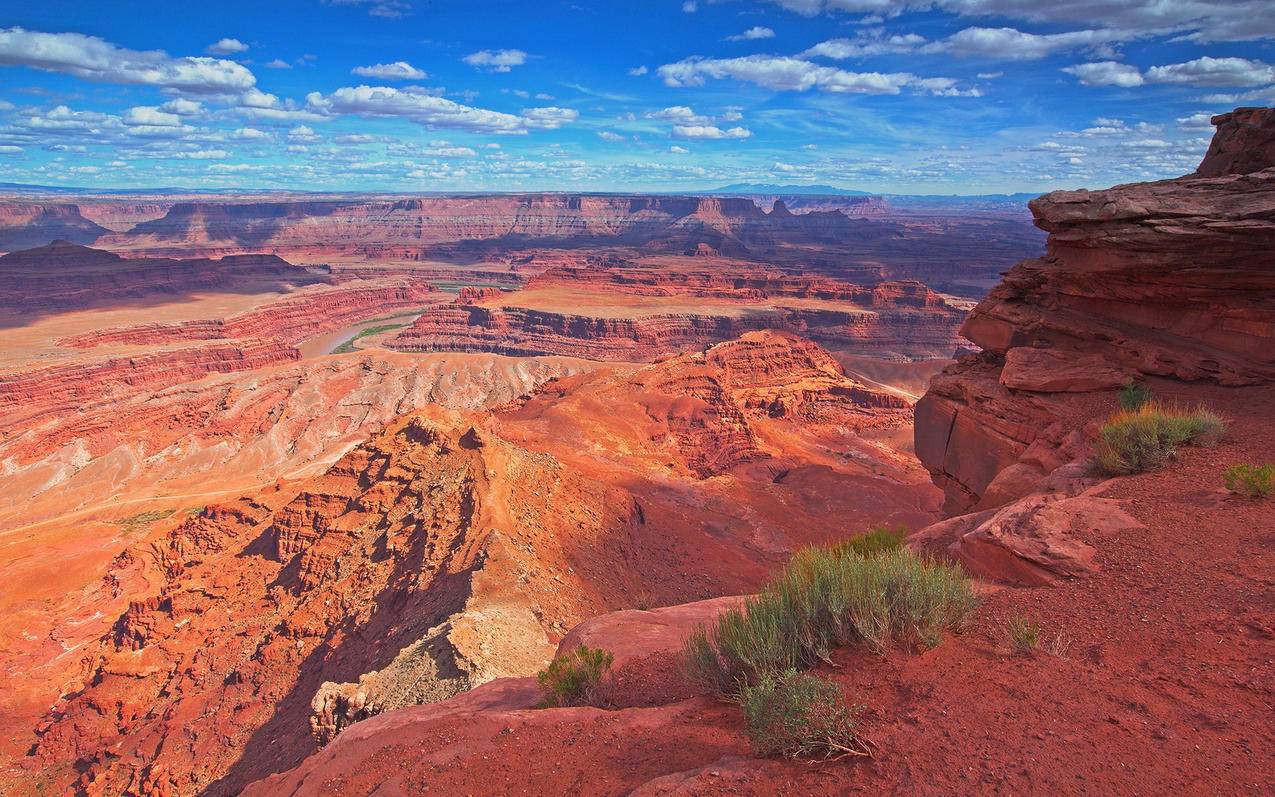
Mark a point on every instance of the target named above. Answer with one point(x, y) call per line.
point(1172, 279)
point(24, 225)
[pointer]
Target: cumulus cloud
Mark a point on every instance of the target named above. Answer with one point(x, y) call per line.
point(679, 113)
point(389, 9)
point(147, 115)
point(1195, 20)
point(496, 60)
point(1106, 73)
point(182, 107)
point(226, 47)
point(607, 135)
point(1206, 71)
point(638, 71)
point(428, 109)
point(278, 63)
point(399, 70)
point(710, 132)
point(786, 73)
point(752, 34)
point(676, 150)
point(92, 58)
point(866, 45)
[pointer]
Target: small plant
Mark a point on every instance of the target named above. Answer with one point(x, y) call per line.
point(824, 598)
point(574, 678)
point(797, 715)
point(1023, 633)
point(1136, 441)
point(1134, 395)
point(875, 540)
point(1254, 481)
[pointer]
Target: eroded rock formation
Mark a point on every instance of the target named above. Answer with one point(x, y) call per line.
point(1167, 279)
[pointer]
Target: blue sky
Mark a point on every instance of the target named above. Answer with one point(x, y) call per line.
point(903, 96)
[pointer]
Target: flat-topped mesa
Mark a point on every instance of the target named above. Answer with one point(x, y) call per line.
point(1174, 278)
point(64, 276)
point(24, 225)
point(473, 294)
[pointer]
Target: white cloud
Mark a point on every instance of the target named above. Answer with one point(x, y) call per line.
point(752, 34)
point(607, 135)
point(226, 47)
point(250, 134)
point(146, 115)
point(1214, 72)
point(1197, 121)
point(92, 58)
point(1206, 71)
point(425, 108)
point(690, 6)
point(710, 132)
point(496, 60)
point(639, 71)
point(865, 45)
point(399, 70)
point(1015, 45)
point(786, 73)
point(389, 9)
point(679, 113)
point(10, 149)
point(302, 133)
point(182, 107)
point(1106, 73)
point(676, 150)
point(278, 63)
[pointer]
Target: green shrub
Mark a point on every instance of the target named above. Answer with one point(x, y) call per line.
point(1023, 633)
point(800, 716)
point(574, 678)
point(873, 541)
point(825, 598)
point(1135, 441)
point(1254, 481)
point(1134, 395)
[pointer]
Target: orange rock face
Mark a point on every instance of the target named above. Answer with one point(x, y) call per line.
point(1171, 279)
point(454, 548)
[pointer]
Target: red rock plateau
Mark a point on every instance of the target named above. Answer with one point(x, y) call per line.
point(635, 312)
point(1153, 592)
point(453, 548)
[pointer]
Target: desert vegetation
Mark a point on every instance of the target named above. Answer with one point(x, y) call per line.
point(1145, 438)
point(1253, 481)
point(1023, 633)
point(868, 591)
point(575, 678)
point(798, 715)
point(1134, 395)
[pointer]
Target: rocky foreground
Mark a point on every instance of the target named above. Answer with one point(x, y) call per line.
point(1154, 591)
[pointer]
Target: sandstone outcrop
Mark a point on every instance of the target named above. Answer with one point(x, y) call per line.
point(1170, 279)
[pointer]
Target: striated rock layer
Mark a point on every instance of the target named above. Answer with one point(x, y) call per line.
point(1169, 279)
point(291, 319)
point(454, 548)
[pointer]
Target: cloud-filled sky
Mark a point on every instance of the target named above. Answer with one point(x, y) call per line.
point(902, 96)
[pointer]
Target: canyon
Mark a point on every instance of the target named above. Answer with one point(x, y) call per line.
point(301, 494)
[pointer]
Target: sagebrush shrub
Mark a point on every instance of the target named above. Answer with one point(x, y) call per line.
point(797, 715)
point(825, 598)
point(1136, 441)
point(1254, 481)
point(574, 678)
point(1134, 395)
point(873, 541)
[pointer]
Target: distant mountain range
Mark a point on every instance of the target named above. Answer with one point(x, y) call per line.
point(791, 190)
